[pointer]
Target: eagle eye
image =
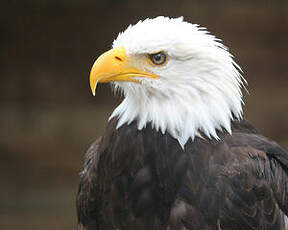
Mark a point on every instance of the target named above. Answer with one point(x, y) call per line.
point(159, 58)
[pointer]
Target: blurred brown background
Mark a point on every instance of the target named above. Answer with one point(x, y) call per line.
point(48, 116)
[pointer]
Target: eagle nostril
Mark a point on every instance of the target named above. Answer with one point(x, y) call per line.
point(118, 58)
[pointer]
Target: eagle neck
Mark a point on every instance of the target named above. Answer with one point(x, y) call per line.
point(181, 118)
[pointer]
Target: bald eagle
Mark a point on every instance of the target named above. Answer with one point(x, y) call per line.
point(176, 154)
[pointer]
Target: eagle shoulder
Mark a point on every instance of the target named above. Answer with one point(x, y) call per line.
point(87, 202)
point(239, 182)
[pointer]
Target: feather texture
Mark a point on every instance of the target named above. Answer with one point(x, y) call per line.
point(144, 180)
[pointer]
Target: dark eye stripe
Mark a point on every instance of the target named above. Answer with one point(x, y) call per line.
point(159, 58)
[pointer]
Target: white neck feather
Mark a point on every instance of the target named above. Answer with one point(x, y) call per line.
point(182, 113)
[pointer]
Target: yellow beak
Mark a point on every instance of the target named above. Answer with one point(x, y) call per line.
point(113, 66)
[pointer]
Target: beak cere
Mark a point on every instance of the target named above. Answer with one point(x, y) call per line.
point(113, 65)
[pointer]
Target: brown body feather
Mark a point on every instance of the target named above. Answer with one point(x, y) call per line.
point(144, 180)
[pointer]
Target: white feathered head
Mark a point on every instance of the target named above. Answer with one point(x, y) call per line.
point(174, 75)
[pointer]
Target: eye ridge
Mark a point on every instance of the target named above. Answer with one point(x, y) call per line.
point(159, 58)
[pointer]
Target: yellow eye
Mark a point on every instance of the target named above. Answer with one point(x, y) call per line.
point(159, 58)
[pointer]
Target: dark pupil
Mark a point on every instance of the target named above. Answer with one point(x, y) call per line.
point(158, 59)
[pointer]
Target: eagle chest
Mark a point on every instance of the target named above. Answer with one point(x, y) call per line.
point(143, 173)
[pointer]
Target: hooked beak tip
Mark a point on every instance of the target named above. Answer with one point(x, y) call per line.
point(94, 89)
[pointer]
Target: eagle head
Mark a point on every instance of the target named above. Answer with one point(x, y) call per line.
point(175, 76)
